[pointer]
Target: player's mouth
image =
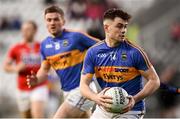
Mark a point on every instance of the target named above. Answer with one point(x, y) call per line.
point(53, 28)
point(122, 36)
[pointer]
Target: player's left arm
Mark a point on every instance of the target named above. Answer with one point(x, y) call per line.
point(151, 86)
point(146, 69)
point(86, 77)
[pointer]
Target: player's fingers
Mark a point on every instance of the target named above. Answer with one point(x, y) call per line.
point(32, 77)
point(27, 76)
point(27, 80)
point(105, 89)
point(32, 72)
point(129, 96)
point(106, 97)
point(108, 101)
point(107, 107)
point(124, 110)
point(129, 105)
point(131, 101)
point(29, 86)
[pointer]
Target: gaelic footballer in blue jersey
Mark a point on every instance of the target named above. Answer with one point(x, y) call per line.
point(116, 62)
point(64, 51)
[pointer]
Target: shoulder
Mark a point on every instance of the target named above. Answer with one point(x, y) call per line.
point(139, 53)
point(80, 34)
point(74, 32)
point(14, 49)
point(97, 46)
point(16, 46)
point(46, 40)
point(134, 48)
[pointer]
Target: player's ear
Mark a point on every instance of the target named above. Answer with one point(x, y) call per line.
point(44, 17)
point(106, 24)
point(63, 21)
point(106, 27)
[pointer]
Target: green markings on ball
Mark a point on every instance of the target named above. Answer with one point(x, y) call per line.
point(120, 99)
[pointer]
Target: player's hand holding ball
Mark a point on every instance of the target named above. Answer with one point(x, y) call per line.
point(103, 100)
point(32, 80)
point(130, 105)
point(121, 101)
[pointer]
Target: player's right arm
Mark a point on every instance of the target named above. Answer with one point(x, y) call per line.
point(98, 98)
point(9, 65)
point(11, 68)
point(86, 78)
point(42, 74)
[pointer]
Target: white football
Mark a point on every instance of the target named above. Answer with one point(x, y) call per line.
point(119, 97)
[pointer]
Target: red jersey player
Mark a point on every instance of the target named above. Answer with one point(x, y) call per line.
point(23, 58)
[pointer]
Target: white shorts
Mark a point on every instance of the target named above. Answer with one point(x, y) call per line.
point(24, 98)
point(100, 113)
point(75, 98)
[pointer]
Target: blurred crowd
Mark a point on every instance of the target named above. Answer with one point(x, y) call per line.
point(10, 23)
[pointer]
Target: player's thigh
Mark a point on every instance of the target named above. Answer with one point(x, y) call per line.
point(26, 114)
point(75, 99)
point(23, 102)
point(68, 111)
point(129, 116)
point(102, 114)
point(39, 99)
point(75, 105)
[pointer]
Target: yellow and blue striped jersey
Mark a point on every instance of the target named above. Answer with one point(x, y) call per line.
point(65, 54)
point(118, 67)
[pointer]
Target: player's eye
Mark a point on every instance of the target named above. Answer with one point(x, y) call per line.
point(120, 26)
point(125, 26)
point(49, 20)
point(56, 19)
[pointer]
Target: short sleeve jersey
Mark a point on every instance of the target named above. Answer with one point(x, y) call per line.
point(29, 54)
point(118, 67)
point(65, 54)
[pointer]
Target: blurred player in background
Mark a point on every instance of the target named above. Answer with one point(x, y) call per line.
point(64, 51)
point(23, 58)
point(116, 62)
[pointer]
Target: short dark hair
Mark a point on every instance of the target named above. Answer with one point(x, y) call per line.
point(54, 8)
point(114, 12)
point(33, 23)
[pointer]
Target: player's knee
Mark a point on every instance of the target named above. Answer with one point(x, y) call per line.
point(85, 114)
point(26, 114)
point(37, 109)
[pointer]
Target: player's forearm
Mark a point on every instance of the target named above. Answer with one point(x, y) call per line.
point(9, 68)
point(150, 87)
point(42, 75)
point(87, 92)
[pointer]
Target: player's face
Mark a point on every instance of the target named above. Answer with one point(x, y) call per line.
point(28, 31)
point(54, 23)
point(117, 29)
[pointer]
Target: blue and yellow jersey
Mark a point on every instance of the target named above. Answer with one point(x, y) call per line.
point(118, 67)
point(65, 54)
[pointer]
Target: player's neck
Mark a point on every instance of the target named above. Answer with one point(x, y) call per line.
point(57, 34)
point(111, 42)
point(28, 41)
